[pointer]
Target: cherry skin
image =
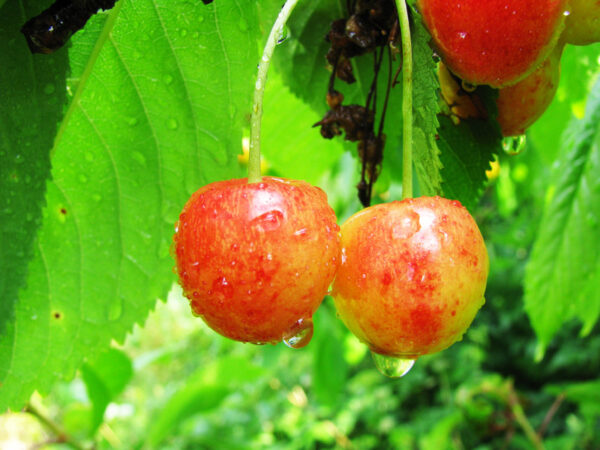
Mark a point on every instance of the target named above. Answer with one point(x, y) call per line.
point(412, 275)
point(520, 105)
point(583, 22)
point(493, 42)
point(255, 260)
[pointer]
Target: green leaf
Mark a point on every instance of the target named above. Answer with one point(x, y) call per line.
point(33, 97)
point(105, 378)
point(563, 274)
point(301, 57)
point(158, 112)
point(204, 390)
point(466, 152)
point(291, 146)
point(330, 369)
point(426, 154)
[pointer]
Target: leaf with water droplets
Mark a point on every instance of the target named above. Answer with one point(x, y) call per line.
point(132, 148)
point(33, 96)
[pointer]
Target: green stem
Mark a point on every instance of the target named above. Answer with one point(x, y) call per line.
point(521, 418)
point(254, 175)
point(61, 435)
point(407, 112)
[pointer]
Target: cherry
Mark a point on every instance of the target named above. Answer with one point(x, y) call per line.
point(256, 259)
point(412, 276)
point(520, 105)
point(494, 42)
point(583, 22)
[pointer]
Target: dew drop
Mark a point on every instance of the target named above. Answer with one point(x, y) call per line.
point(391, 366)
point(285, 33)
point(300, 334)
point(140, 158)
point(268, 221)
point(407, 226)
point(168, 79)
point(49, 89)
point(344, 256)
point(183, 32)
point(132, 121)
point(301, 232)
point(115, 309)
point(82, 178)
point(172, 124)
point(514, 145)
point(243, 25)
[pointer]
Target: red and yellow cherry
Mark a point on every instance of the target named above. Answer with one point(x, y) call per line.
point(412, 276)
point(493, 42)
point(256, 259)
point(521, 104)
point(583, 22)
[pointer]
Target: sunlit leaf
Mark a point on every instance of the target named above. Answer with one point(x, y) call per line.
point(157, 112)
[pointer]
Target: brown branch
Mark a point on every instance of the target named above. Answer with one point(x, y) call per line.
point(550, 414)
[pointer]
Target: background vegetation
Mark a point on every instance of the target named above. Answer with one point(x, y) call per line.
point(102, 142)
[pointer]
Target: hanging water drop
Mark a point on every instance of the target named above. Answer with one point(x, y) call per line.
point(300, 334)
point(514, 145)
point(285, 32)
point(49, 89)
point(391, 366)
point(243, 25)
point(468, 87)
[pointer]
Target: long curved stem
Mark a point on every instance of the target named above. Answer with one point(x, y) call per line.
point(254, 175)
point(407, 112)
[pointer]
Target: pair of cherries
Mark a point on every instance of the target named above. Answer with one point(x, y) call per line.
point(256, 260)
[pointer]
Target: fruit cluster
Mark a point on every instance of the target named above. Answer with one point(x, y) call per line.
point(512, 45)
point(256, 259)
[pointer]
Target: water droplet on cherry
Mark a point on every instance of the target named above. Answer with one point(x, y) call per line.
point(391, 366)
point(300, 334)
point(268, 221)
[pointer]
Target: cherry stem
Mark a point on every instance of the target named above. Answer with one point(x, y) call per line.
point(407, 112)
point(254, 175)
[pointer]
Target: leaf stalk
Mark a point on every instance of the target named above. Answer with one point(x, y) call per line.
point(254, 175)
point(407, 112)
